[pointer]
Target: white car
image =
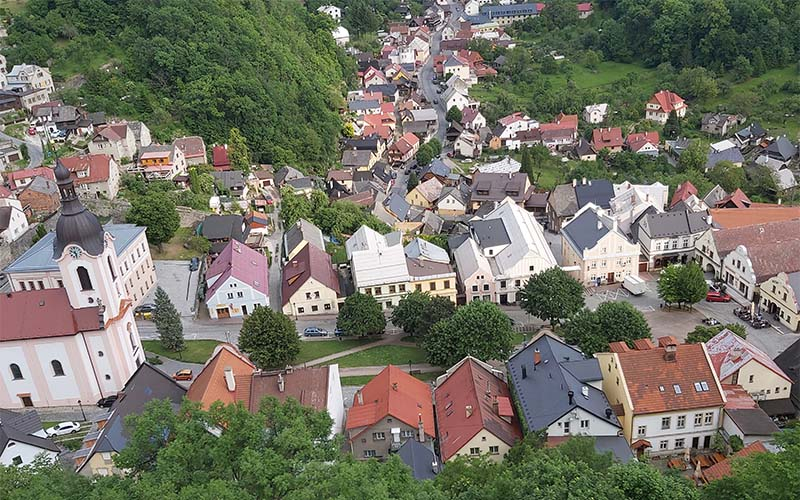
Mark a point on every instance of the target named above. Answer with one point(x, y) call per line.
point(63, 428)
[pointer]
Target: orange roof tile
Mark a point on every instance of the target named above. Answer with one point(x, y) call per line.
point(309, 386)
point(396, 393)
point(210, 385)
point(723, 469)
point(756, 214)
point(684, 191)
point(667, 100)
point(465, 406)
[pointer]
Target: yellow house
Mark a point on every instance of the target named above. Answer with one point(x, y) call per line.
point(474, 413)
point(425, 194)
point(429, 269)
point(739, 362)
point(779, 297)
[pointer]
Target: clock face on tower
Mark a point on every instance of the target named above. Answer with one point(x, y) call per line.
point(75, 252)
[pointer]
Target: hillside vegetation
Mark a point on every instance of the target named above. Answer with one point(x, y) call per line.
point(268, 67)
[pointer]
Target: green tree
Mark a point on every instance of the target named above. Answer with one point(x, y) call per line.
point(238, 152)
point(549, 65)
point(157, 213)
point(454, 115)
point(293, 207)
point(682, 284)
point(38, 234)
point(479, 329)
point(702, 333)
point(361, 315)
point(672, 128)
point(757, 60)
point(592, 331)
point(417, 312)
point(413, 180)
point(168, 322)
point(727, 175)
point(23, 150)
point(552, 295)
point(436, 146)
point(693, 157)
point(424, 155)
point(269, 338)
point(742, 69)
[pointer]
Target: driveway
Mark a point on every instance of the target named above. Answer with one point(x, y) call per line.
point(179, 283)
point(35, 153)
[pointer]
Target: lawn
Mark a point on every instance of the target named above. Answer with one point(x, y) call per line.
point(13, 6)
point(381, 356)
point(363, 379)
point(316, 349)
point(174, 249)
point(337, 252)
point(197, 351)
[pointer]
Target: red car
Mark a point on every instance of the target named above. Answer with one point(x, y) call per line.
point(32, 131)
point(714, 296)
point(185, 374)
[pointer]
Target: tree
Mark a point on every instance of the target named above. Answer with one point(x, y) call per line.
point(293, 207)
point(157, 213)
point(479, 329)
point(361, 315)
point(702, 333)
point(693, 157)
point(413, 180)
point(436, 146)
point(238, 152)
point(728, 175)
point(23, 150)
point(552, 295)
point(417, 312)
point(168, 322)
point(269, 338)
point(592, 331)
point(38, 234)
point(742, 69)
point(424, 155)
point(672, 128)
point(454, 115)
point(757, 60)
point(682, 284)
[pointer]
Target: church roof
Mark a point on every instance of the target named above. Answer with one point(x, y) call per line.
point(76, 225)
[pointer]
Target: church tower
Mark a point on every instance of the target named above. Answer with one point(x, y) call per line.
point(85, 253)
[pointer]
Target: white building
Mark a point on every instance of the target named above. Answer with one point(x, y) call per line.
point(341, 36)
point(30, 77)
point(631, 200)
point(331, 10)
point(595, 113)
point(13, 222)
point(378, 264)
point(237, 282)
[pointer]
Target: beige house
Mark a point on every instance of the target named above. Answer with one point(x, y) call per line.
point(94, 175)
point(594, 244)
point(430, 270)
point(425, 194)
point(779, 297)
point(115, 139)
point(309, 284)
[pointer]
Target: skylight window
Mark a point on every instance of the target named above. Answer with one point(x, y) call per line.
point(701, 386)
point(677, 388)
point(660, 388)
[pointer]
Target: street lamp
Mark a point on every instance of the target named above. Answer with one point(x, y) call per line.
point(82, 412)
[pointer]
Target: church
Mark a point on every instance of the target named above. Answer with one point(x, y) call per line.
point(77, 342)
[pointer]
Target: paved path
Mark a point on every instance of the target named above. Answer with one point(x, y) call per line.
point(35, 153)
point(374, 370)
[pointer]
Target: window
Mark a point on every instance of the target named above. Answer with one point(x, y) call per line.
point(680, 443)
point(17, 460)
point(16, 373)
point(698, 419)
point(60, 283)
point(502, 283)
point(446, 284)
point(494, 450)
point(517, 283)
point(240, 294)
point(709, 418)
point(751, 379)
point(585, 424)
point(681, 422)
point(314, 308)
point(406, 434)
point(474, 288)
point(111, 269)
point(663, 445)
point(677, 389)
point(377, 290)
point(475, 451)
point(83, 277)
point(308, 295)
point(641, 431)
point(485, 287)
point(666, 422)
point(132, 337)
point(108, 377)
point(566, 427)
point(658, 246)
point(777, 390)
point(530, 268)
point(418, 287)
point(58, 370)
point(392, 289)
point(327, 307)
point(432, 285)
point(41, 285)
point(230, 295)
point(22, 285)
point(402, 288)
point(379, 436)
point(100, 354)
point(301, 310)
point(370, 454)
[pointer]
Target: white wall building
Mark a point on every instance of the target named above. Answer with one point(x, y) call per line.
point(237, 282)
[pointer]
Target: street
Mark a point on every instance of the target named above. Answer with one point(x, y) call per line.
point(35, 153)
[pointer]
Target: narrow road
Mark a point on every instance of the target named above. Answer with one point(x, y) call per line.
point(35, 153)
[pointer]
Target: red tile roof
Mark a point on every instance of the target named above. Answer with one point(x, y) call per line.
point(310, 262)
point(647, 371)
point(738, 199)
point(637, 140)
point(723, 469)
point(38, 314)
point(667, 101)
point(684, 191)
point(241, 262)
point(192, 147)
point(220, 157)
point(465, 406)
point(726, 240)
point(585, 7)
point(513, 117)
point(607, 138)
point(730, 218)
point(309, 386)
point(210, 384)
point(112, 132)
point(396, 393)
point(26, 173)
point(737, 398)
point(730, 352)
point(98, 165)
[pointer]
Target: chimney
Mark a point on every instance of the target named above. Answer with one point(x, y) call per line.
point(585, 392)
point(294, 263)
point(599, 224)
point(230, 380)
point(435, 466)
point(496, 406)
point(571, 397)
point(394, 386)
point(709, 219)
point(468, 408)
point(524, 372)
point(537, 357)
point(574, 182)
point(583, 181)
point(360, 398)
point(282, 385)
point(670, 352)
point(608, 413)
point(420, 428)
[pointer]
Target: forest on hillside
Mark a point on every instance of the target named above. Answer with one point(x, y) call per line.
point(268, 67)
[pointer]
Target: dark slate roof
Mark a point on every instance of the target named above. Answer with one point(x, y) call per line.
point(582, 232)
point(23, 421)
point(363, 143)
point(302, 230)
point(542, 393)
point(782, 149)
point(753, 421)
point(419, 458)
point(669, 224)
point(382, 171)
point(232, 179)
point(397, 205)
point(731, 154)
point(286, 174)
point(225, 227)
point(387, 89)
point(301, 183)
point(436, 167)
point(8, 433)
point(598, 191)
point(584, 147)
point(490, 233)
point(146, 384)
point(616, 445)
point(485, 209)
point(76, 225)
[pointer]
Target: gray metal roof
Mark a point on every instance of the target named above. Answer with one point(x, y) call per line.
point(363, 105)
point(419, 458)
point(781, 148)
point(397, 205)
point(225, 227)
point(302, 230)
point(733, 155)
point(670, 224)
point(26, 421)
point(542, 393)
point(8, 433)
point(616, 445)
point(583, 232)
point(39, 257)
point(753, 421)
point(490, 233)
point(599, 192)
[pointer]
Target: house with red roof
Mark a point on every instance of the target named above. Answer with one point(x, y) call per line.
point(737, 199)
point(392, 408)
point(237, 282)
point(194, 149)
point(560, 133)
point(643, 143)
point(219, 158)
point(17, 180)
point(585, 10)
point(723, 469)
point(94, 175)
point(309, 284)
point(404, 149)
point(609, 138)
point(662, 103)
point(683, 192)
point(667, 397)
point(474, 413)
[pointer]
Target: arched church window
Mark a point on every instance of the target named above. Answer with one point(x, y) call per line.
point(85, 280)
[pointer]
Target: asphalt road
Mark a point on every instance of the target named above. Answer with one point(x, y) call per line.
point(35, 153)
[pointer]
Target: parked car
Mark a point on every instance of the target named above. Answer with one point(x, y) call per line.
point(268, 199)
point(313, 331)
point(338, 332)
point(63, 428)
point(145, 308)
point(31, 130)
point(107, 401)
point(715, 296)
point(185, 374)
point(194, 264)
point(710, 321)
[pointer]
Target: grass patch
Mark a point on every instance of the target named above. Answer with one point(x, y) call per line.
point(337, 252)
point(174, 249)
point(316, 349)
point(17, 130)
point(12, 7)
point(381, 356)
point(360, 380)
point(197, 351)
point(428, 376)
